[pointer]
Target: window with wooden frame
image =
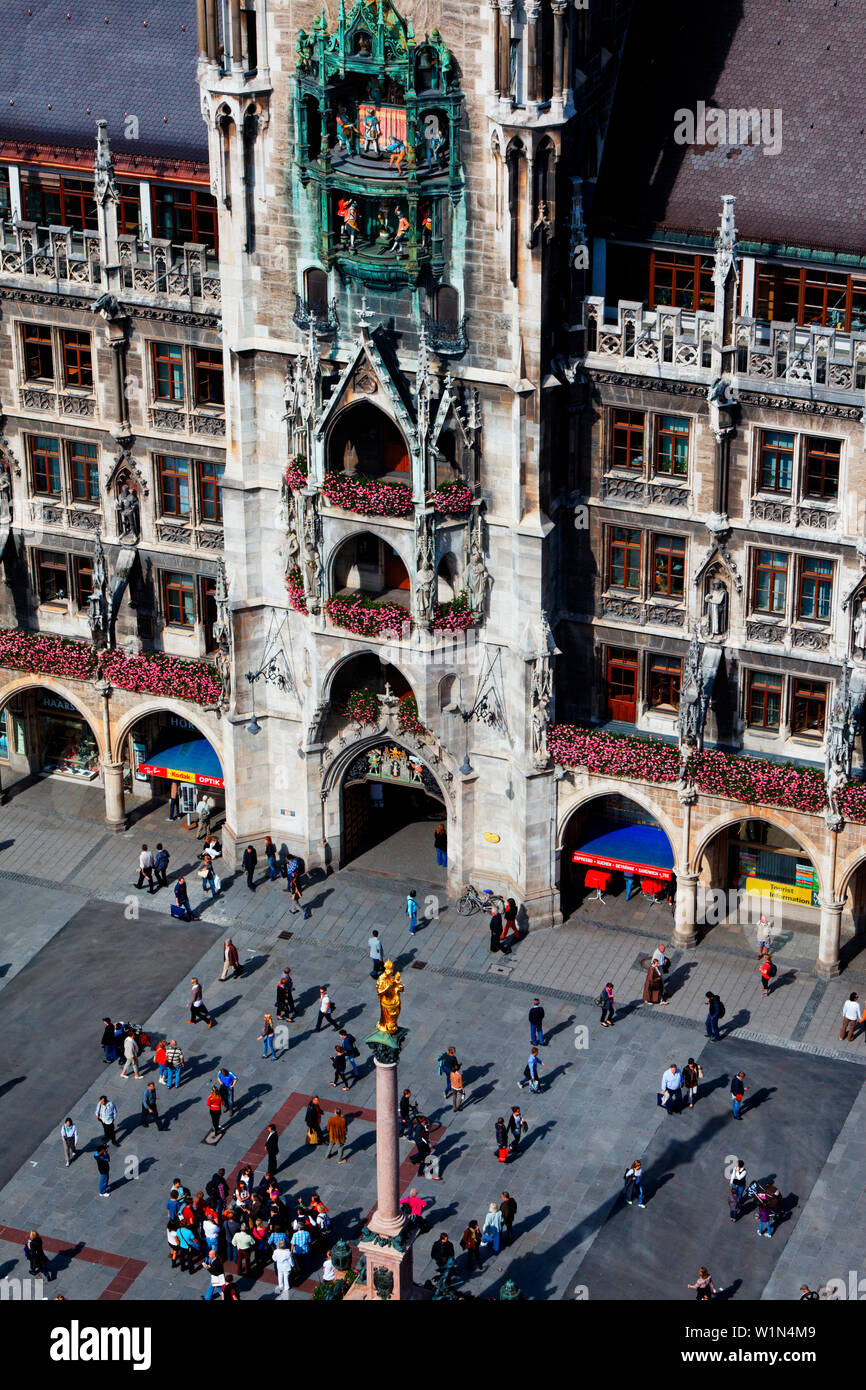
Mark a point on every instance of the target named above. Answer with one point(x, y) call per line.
point(770, 581)
point(184, 214)
point(44, 465)
point(665, 676)
point(626, 439)
point(209, 491)
point(82, 579)
point(672, 446)
point(129, 209)
point(622, 683)
point(208, 376)
point(810, 294)
point(821, 468)
point(54, 199)
point(680, 280)
point(5, 200)
point(669, 565)
point(38, 352)
point(168, 372)
point(52, 579)
point(809, 708)
point(764, 700)
point(316, 292)
point(776, 463)
point(84, 472)
point(815, 595)
point(178, 598)
point(173, 475)
point(77, 359)
point(624, 553)
point(207, 608)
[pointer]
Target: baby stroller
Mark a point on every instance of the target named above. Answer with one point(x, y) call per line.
point(142, 1038)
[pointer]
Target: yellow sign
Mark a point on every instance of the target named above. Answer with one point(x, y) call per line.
point(784, 892)
point(494, 839)
point(179, 776)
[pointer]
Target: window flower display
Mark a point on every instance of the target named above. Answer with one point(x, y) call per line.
point(454, 616)
point(295, 586)
point(295, 473)
point(451, 499)
point(367, 496)
point(365, 617)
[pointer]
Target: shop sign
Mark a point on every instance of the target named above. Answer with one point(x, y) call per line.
point(782, 892)
point(600, 861)
point(198, 778)
point(46, 700)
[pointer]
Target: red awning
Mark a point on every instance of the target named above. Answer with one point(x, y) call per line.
point(623, 866)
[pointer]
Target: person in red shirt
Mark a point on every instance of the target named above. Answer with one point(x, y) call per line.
point(767, 972)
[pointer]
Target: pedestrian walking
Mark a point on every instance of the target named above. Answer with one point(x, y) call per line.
point(338, 1062)
point(457, 1090)
point(109, 1047)
point(266, 1038)
point(173, 803)
point(734, 1200)
point(203, 810)
point(226, 1082)
point(531, 1072)
point(231, 960)
point(103, 1168)
point(765, 934)
point(491, 1231)
point(440, 844)
point(692, 1073)
point(633, 1179)
point(182, 907)
point(294, 888)
point(704, 1285)
point(337, 1135)
point(536, 1020)
point(660, 958)
point(350, 1051)
point(470, 1241)
point(653, 985)
point(285, 1003)
point(145, 869)
point(738, 1188)
point(149, 1107)
point(607, 1006)
point(416, 1207)
point(248, 863)
point(130, 1054)
point(326, 1009)
point(508, 1207)
point(270, 852)
point(715, 1012)
point(313, 1120)
point(738, 1090)
point(377, 955)
point(516, 1127)
point(429, 1161)
point(207, 873)
point(174, 1063)
point(501, 1139)
point(197, 1006)
point(189, 1249)
point(850, 1017)
point(768, 970)
point(447, 1062)
point(763, 1215)
point(671, 1090)
point(272, 1148)
point(159, 1055)
point(37, 1259)
point(284, 1264)
point(412, 911)
point(300, 1246)
point(408, 1113)
point(214, 1265)
point(69, 1140)
point(442, 1253)
point(160, 866)
point(214, 1104)
point(106, 1114)
point(496, 933)
point(510, 923)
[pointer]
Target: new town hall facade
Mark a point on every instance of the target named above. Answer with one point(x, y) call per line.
point(369, 456)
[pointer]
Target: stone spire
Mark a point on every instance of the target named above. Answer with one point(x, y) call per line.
point(726, 246)
point(104, 186)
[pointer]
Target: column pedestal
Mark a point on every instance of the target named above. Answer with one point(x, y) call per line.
point(827, 965)
point(115, 810)
point(685, 912)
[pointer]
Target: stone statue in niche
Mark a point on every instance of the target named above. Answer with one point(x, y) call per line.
point(128, 519)
point(477, 578)
point(716, 603)
point(5, 494)
point(541, 693)
point(860, 629)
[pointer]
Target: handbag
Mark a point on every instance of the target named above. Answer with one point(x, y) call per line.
point(312, 1137)
point(663, 1097)
point(503, 1155)
point(217, 883)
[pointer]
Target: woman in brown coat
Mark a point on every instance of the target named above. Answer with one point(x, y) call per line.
point(653, 984)
point(470, 1241)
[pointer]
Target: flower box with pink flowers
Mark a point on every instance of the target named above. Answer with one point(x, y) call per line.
point(451, 499)
point(367, 496)
point(47, 654)
point(365, 617)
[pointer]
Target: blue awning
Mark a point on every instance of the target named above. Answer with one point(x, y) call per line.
point(193, 761)
point(630, 849)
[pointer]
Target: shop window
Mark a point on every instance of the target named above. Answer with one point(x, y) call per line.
point(179, 598)
point(52, 580)
point(173, 474)
point(208, 372)
point(82, 579)
point(77, 360)
point(816, 588)
point(669, 565)
point(84, 471)
point(622, 683)
point(184, 214)
point(66, 740)
point(822, 468)
point(665, 675)
point(672, 445)
point(168, 372)
point(209, 490)
point(38, 353)
point(627, 429)
point(810, 707)
point(624, 558)
point(44, 465)
point(777, 461)
point(771, 581)
point(764, 700)
point(681, 281)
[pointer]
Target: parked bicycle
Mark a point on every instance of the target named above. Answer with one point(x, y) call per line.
point(472, 901)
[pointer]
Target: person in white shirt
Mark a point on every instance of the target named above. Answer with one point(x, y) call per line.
point(211, 1234)
point(850, 1017)
point(145, 869)
point(672, 1082)
point(203, 813)
point(325, 1009)
point(69, 1136)
point(282, 1258)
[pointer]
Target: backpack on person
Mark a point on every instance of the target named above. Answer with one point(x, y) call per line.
point(721, 1008)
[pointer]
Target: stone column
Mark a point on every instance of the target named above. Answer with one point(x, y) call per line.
point(827, 965)
point(387, 1220)
point(559, 43)
point(685, 912)
point(115, 809)
point(497, 41)
point(533, 16)
point(505, 93)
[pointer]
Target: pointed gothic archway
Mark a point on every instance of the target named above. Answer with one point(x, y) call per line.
point(391, 802)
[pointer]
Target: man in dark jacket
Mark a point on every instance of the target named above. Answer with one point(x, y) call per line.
point(313, 1117)
point(249, 861)
point(536, 1019)
point(407, 1109)
point(149, 1110)
point(160, 866)
point(109, 1048)
point(508, 1207)
point(501, 1134)
point(516, 1127)
point(442, 1252)
point(712, 1019)
point(272, 1145)
point(182, 898)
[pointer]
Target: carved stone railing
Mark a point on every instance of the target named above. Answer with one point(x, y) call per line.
point(180, 422)
point(50, 253)
point(765, 510)
point(810, 639)
point(327, 318)
point(160, 268)
point(779, 513)
point(628, 610)
point(764, 632)
point(184, 533)
point(67, 403)
point(615, 487)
